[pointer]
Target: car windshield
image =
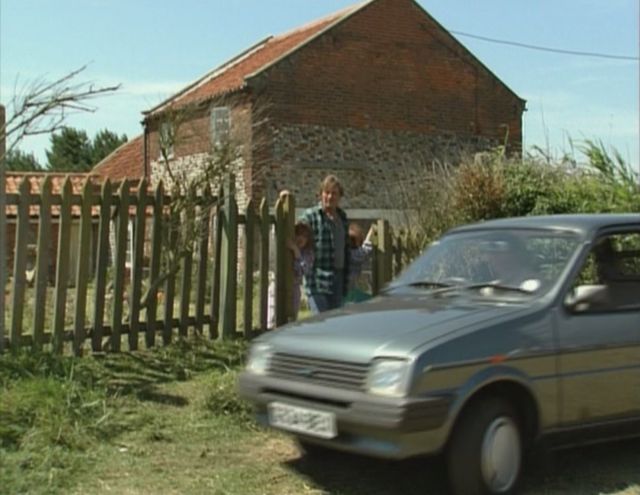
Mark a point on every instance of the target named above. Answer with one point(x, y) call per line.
point(496, 262)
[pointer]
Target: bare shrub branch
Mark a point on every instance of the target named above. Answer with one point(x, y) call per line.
point(193, 183)
point(42, 106)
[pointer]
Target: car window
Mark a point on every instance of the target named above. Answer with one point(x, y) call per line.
point(614, 264)
point(528, 258)
point(461, 260)
point(550, 254)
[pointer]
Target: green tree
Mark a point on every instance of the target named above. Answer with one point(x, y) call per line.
point(17, 160)
point(104, 143)
point(71, 151)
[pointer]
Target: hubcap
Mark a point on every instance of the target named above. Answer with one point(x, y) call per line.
point(500, 456)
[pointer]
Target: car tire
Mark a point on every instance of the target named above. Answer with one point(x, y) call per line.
point(484, 454)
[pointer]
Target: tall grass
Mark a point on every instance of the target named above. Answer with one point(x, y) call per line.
point(54, 410)
point(493, 185)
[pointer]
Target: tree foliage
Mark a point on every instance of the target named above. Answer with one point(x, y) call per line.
point(20, 161)
point(70, 151)
point(104, 142)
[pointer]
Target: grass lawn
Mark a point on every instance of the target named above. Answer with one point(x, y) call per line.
point(168, 422)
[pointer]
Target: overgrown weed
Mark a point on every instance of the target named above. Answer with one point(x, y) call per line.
point(54, 410)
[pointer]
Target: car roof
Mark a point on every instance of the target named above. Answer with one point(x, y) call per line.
point(578, 223)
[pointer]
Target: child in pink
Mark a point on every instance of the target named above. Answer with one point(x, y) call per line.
point(303, 258)
point(302, 248)
point(360, 250)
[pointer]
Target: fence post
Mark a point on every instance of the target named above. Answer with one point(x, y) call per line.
point(185, 279)
point(249, 234)
point(173, 224)
point(122, 232)
point(285, 218)
point(217, 267)
point(229, 261)
point(136, 265)
point(384, 256)
point(62, 267)
point(265, 228)
point(154, 265)
point(20, 263)
point(3, 226)
point(289, 223)
point(203, 256)
point(82, 273)
point(106, 199)
point(42, 263)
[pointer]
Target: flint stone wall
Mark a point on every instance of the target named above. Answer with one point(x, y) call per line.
point(373, 165)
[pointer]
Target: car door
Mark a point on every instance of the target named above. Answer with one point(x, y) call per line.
point(599, 339)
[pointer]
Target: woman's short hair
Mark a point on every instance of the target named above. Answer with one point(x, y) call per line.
point(329, 182)
point(303, 228)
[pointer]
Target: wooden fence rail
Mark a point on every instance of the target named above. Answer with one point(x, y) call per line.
point(102, 281)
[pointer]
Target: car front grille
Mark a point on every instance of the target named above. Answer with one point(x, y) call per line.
point(321, 371)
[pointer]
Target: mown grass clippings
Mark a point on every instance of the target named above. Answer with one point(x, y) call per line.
point(56, 412)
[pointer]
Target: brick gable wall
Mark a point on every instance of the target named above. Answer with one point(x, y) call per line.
point(390, 67)
point(384, 90)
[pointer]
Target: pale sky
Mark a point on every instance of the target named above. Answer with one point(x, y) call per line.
point(153, 48)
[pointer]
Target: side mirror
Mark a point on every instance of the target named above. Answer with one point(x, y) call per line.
point(584, 297)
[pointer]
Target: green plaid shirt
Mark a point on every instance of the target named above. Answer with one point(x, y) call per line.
point(320, 280)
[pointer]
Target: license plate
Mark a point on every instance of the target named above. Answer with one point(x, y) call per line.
point(302, 420)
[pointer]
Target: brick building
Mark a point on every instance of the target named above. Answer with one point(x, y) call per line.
point(367, 93)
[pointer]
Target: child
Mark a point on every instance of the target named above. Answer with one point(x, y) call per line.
point(303, 258)
point(360, 249)
point(302, 248)
point(271, 301)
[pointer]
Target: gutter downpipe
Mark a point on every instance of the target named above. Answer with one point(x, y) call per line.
point(3, 225)
point(145, 158)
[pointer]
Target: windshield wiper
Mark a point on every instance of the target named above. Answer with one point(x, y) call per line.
point(495, 284)
point(428, 284)
point(444, 287)
point(431, 284)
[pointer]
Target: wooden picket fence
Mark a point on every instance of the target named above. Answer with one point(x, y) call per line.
point(222, 280)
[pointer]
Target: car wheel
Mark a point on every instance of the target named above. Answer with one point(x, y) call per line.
point(484, 455)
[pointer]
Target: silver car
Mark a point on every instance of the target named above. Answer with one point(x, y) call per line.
point(499, 335)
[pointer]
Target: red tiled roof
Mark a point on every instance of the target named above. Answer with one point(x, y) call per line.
point(231, 75)
point(78, 180)
point(125, 162)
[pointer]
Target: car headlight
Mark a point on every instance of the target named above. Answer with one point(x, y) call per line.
point(388, 377)
point(259, 358)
